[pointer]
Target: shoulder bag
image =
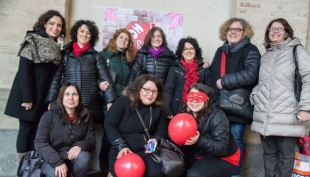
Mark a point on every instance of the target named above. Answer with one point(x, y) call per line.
point(297, 77)
point(167, 154)
point(30, 166)
point(236, 101)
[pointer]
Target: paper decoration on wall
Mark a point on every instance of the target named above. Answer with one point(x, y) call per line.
point(139, 22)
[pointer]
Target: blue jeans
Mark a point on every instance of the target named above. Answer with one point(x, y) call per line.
point(237, 130)
point(77, 167)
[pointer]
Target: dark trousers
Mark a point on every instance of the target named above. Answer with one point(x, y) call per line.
point(278, 155)
point(104, 150)
point(210, 166)
point(26, 135)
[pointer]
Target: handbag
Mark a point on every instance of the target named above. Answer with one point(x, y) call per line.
point(30, 165)
point(301, 165)
point(297, 78)
point(236, 101)
point(167, 154)
point(142, 68)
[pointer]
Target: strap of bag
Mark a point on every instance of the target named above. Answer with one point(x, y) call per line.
point(297, 78)
point(145, 129)
point(295, 57)
point(223, 64)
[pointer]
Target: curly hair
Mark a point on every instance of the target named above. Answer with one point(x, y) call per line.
point(92, 27)
point(181, 45)
point(202, 114)
point(132, 91)
point(80, 107)
point(149, 36)
point(130, 51)
point(44, 18)
point(247, 28)
point(287, 27)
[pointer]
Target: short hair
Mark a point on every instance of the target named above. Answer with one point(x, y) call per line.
point(149, 36)
point(287, 27)
point(194, 42)
point(78, 110)
point(247, 28)
point(130, 51)
point(132, 91)
point(44, 18)
point(207, 105)
point(92, 27)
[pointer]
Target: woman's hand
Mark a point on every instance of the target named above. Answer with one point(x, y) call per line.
point(170, 117)
point(123, 151)
point(219, 84)
point(73, 152)
point(61, 171)
point(104, 85)
point(109, 105)
point(28, 106)
point(303, 116)
point(192, 140)
point(151, 140)
point(205, 64)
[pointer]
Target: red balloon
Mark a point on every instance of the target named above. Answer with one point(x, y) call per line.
point(129, 163)
point(182, 127)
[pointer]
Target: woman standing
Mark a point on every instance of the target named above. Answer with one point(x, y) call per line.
point(275, 106)
point(124, 128)
point(39, 57)
point(66, 135)
point(184, 72)
point(119, 55)
point(84, 66)
point(213, 151)
point(241, 71)
point(154, 56)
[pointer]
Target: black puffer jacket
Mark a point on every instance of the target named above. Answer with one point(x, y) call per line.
point(215, 138)
point(175, 83)
point(87, 71)
point(56, 136)
point(159, 67)
point(242, 67)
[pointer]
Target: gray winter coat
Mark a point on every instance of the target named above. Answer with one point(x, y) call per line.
point(275, 106)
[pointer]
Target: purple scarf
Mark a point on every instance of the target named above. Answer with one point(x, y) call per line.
point(156, 53)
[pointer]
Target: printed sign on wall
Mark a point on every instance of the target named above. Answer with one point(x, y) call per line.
point(139, 22)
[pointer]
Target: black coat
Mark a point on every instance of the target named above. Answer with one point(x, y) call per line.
point(53, 138)
point(159, 67)
point(242, 67)
point(124, 128)
point(175, 83)
point(87, 71)
point(31, 84)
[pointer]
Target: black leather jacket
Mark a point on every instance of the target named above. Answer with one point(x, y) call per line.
point(87, 71)
point(159, 67)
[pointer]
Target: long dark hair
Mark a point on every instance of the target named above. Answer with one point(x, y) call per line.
point(78, 110)
point(192, 41)
point(44, 18)
point(202, 114)
point(132, 91)
point(149, 36)
point(287, 27)
point(92, 27)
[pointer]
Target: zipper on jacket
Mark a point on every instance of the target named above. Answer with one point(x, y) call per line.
point(71, 136)
point(151, 117)
point(155, 70)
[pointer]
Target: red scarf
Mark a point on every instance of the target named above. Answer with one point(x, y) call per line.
point(77, 51)
point(191, 76)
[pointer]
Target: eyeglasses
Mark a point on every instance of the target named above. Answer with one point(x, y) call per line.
point(235, 29)
point(189, 49)
point(147, 90)
point(280, 29)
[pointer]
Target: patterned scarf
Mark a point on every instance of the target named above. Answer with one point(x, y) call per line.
point(77, 51)
point(191, 76)
point(156, 53)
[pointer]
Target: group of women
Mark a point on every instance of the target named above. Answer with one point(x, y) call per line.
point(77, 87)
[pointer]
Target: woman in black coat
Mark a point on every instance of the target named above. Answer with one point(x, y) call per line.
point(84, 66)
point(187, 70)
point(124, 128)
point(39, 57)
point(213, 151)
point(65, 135)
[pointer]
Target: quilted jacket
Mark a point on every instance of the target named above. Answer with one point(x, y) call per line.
point(275, 106)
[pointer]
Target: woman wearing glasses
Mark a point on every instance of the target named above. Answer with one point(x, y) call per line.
point(241, 70)
point(184, 72)
point(124, 128)
point(275, 106)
